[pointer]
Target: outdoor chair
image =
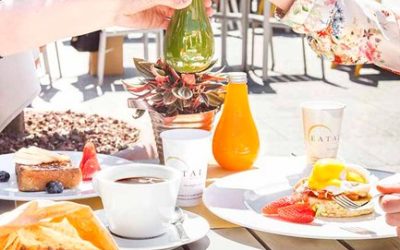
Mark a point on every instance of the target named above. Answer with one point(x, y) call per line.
point(45, 56)
point(255, 19)
point(117, 31)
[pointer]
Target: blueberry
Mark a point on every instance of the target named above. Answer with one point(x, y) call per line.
point(54, 187)
point(4, 176)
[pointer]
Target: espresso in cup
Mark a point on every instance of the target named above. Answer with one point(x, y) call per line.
point(141, 180)
point(139, 199)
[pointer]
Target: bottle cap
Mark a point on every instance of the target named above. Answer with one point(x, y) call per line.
point(237, 77)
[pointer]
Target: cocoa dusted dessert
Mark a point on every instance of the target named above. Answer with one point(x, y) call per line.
point(69, 131)
point(36, 167)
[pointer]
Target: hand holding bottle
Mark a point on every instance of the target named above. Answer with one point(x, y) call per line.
point(39, 22)
point(153, 13)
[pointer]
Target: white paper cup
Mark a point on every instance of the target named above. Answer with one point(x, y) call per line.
point(138, 210)
point(189, 151)
point(322, 121)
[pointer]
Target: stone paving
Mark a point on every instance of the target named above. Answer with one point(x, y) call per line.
point(371, 125)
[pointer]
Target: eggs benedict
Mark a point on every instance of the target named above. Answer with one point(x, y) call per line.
point(331, 177)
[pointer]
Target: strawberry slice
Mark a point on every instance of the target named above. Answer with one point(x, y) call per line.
point(272, 208)
point(298, 213)
point(90, 168)
point(89, 163)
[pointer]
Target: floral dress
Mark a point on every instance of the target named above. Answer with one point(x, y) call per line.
point(349, 31)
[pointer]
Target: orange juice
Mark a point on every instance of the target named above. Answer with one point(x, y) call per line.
point(236, 142)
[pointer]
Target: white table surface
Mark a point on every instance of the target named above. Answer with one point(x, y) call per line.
point(246, 239)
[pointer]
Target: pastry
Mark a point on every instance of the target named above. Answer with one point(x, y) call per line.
point(36, 167)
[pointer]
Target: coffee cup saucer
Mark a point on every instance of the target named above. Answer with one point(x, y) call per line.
point(195, 226)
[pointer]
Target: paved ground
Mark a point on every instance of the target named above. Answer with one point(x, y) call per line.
point(371, 126)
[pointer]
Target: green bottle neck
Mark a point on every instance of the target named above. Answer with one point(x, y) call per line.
point(197, 6)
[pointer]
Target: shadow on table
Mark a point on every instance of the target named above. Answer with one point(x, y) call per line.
point(372, 77)
point(258, 86)
point(87, 85)
point(233, 198)
point(201, 244)
point(204, 243)
point(47, 92)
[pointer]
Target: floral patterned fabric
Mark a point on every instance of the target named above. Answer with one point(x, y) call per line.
point(349, 31)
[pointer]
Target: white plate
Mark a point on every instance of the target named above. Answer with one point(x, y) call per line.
point(195, 226)
point(9, 190)
point(239, 198)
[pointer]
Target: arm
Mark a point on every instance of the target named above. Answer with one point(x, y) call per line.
point(348, 32)
point(29, 23)
point(26, 24)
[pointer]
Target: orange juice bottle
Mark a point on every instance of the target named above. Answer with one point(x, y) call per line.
point(236, 142)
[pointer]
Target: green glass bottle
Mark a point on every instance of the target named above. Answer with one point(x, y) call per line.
point(189, 41)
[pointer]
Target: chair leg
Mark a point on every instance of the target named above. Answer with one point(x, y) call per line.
point(224, 32)
point(146, 45)
point(253, 35)
point(266, 39)
point(159, 41)
point(272, 48)
point(304, 54)
point(323, 68)
point(235, 9)
point(260, 7)
point(245, 11)
point(58, 58)
point(101, 57)
point(357, 70)
point(47, 65)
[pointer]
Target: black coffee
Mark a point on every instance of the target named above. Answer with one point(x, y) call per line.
point(141, 180)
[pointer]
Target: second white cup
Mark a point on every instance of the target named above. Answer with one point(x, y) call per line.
point(189, 151)
point(322, 121)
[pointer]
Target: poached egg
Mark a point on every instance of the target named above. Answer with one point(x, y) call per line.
point(337, 177)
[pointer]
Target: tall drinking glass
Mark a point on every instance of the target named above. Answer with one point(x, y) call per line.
point(322, 121)
point(188, 150)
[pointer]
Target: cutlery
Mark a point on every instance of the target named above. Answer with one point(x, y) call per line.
point(347, 203)
point(180, 218)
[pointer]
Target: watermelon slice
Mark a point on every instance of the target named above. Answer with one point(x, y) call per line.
point(89, 164)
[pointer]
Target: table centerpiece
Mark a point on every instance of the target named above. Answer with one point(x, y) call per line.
point(180, 91)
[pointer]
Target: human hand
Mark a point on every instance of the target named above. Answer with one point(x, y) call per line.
point(390, 203)
point(147, 14)
point(283, 4)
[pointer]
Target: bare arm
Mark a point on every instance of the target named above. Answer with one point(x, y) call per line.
point(26, 24)
point(348, 32)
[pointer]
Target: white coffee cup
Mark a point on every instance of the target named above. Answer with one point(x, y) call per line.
point(138, 210)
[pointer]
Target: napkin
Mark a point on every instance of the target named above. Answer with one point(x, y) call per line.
point(53, 225)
